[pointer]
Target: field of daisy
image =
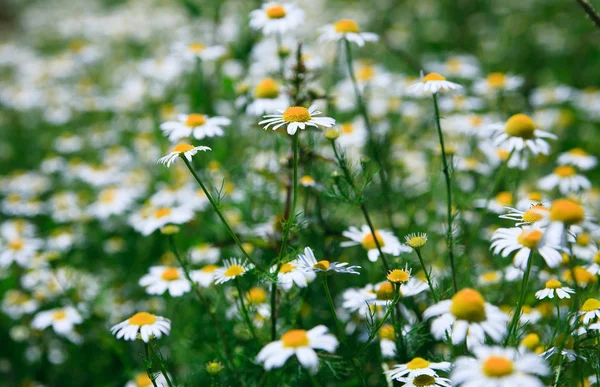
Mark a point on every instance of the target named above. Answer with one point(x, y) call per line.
point(308, 193)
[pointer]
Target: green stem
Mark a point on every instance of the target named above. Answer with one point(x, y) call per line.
point(429, 282)
point(220, 214)
point(558, 372)
point(383, 320)
point(163, 369)
point(557, 325)
point(397, 323)
point(515, 320)
point(244, 310)
point(148, 362)
point(446, 170)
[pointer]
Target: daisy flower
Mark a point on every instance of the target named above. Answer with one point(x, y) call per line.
point(267, 98)
point(296, 117)
point(233, 268)
point(17, 303)
point(150, 219)
point(205, 253)
point(19, 250)
point(416, 240)
point(467, 317)
point(112, 201)
point(536, 213)
point(205, 276)
point(197, 125)
point(507, 240)
point(582, 244)
point(145, 324)
point(387, 241)
point(347, 29)
point(499, 367)
point(387, 341)
point(184, 150)
point(197, 50)
point(291, 273)
point(566, 179)
point(352, 134)
point(62, 320)
point(417, 366)
point(520, 132)
point(564, 213)
point(276, 18)
point(554, 287)
point(579, 158)
point(165, 278)
point(425, 381)
point(497, 204)
point(431, 84)
point(589, 310)
point(497, 81)
point(300, 343)
point(308, 262)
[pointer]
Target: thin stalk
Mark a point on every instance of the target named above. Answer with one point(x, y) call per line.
point(383, 320)
point(557, 325)
point(273, 310)
point(515, 320)
point(148, 362)
point(397, 323)
point(446, 170)
point(558, 372)
point(429, 282)
point(220, 214)
point(243, 307)
point(163, 369)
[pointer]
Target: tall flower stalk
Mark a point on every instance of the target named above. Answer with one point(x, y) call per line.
point(513, 327)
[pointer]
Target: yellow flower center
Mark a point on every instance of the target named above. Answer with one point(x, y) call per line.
point(535, 196)
point(162, 212)
point(553, 284)
point(323, 265)
point(497, 366)
point(276, 12)
point(366, 73)
point(565, 171)
point(502, 154)
point(196, 47)
point(520, 125)
point(531, 341)
point(433, 77)
point(504, 198)
point(170, 274)
point(417, 363)
point(490, 276)
point(256, 295)
point(267, 88)
point(398, 276)
point(476, 120)
point(417, 242)
point(307, 180)
point(142, 318)
point(566, 211)
point(195, 120)
point(295, 338)
point(468, 304)
point(577, 152)
point(347, 128)
point(597, 258)
point(385, 291)
point(286, 268)
point(234, 271)
point(210, 268)
point(59, 315)
point(16, 244)
point(387, 332)
point(107, 195)
point(76, 45)
point(345, 26)
point(296, 114)
point(368, 241)
point(590, 304)
point(496, 80)
point(182, 148)
point(531, 238)
point(454, 64)
point(424, 381)
point(583, 239)
point(582, 276)
point(142, 380)
point(534, 214)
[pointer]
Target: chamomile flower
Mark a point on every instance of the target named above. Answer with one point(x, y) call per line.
point(233, 268)
point(144, 324)
point(590, 310)
point(205, 276)
point(583, 244)
point(276, 18)
point(432, 83)
point(150, 218)
point(268, 97)
point(351, 134)
point(112, 201)
point(165, 278)
point(566, 179)
point(564, 213)
point(495, 82)
point(198, 50)
point(554, 287)
point(519, 133)
point(19, 250)
point(309, 263)
point(301, 343)
point(17, 303)
point(205, 253)
point(199, 126)
point(181, 149)
point(291, 273)
point(507, 240)
point(499, 367)
point(536, 214)
point(295, 117)
point(416, 240)
point(387, 241)
point(498, 203)
point(62, 320)
point(467, 317)
point(579, 158)
point(417, 366)
point(346, 29)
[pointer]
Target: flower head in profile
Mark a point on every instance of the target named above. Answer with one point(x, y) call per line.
point(578, 158)
point(524, 240)
point(232, 268)
point(62, 320)
point(144, 324)
point(347, 29)
point(301, 343)
point(296, 117)
point(537, 214)
point(566, 179)
point(432, 83)
point(416, 240)
point(309, 263)
point(418, 366)
point(291, 273)
point(276, 18)
point(199, 126)
point(183, 150)
point(386, 240)
point(554, 287)
point(590, 310)
point(520, 132)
